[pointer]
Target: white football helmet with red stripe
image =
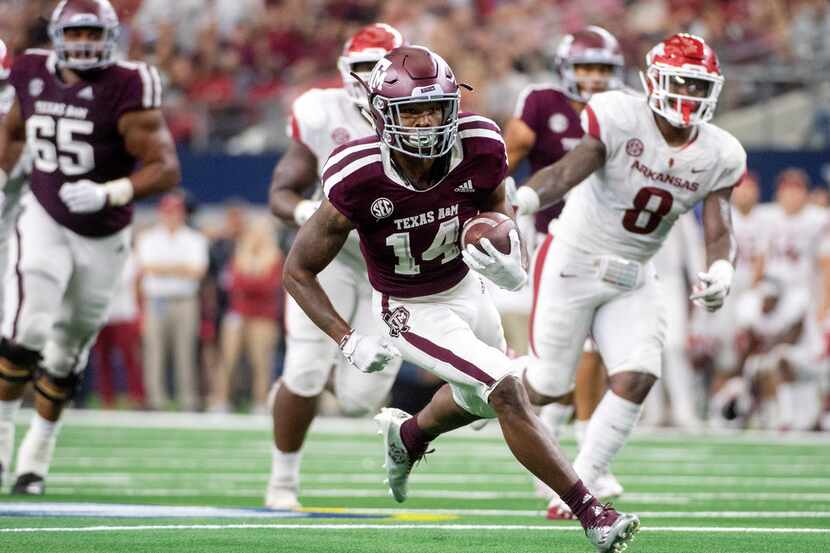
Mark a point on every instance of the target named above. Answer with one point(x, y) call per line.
point(683, 62)
point(368, 45)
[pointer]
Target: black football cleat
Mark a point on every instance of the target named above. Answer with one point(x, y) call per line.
point(29, 483)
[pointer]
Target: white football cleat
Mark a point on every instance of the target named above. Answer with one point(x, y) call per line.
point(606, 486)
point(281, 498)
point(613, 530)
point(396, 460)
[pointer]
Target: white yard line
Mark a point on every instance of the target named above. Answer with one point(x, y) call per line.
point(209, 422)
point(668, 498)
point(445, 527)
point(208, 480)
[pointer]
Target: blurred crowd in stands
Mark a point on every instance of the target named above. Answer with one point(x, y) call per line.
point(232, 67)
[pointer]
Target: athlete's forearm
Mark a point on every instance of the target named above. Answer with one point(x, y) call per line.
point(549, 185)
point(717, 228)
point(310, 296)
point(295, 173)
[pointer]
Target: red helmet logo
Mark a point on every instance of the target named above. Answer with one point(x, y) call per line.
point(368, 45)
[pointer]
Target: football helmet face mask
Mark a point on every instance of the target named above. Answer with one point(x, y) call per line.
point(408, 79)
point(683, 80)
point(83, 55)
point(367, 46)
point(592, 45)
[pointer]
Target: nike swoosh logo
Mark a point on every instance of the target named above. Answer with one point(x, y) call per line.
point(696, 171)
point(563, 274)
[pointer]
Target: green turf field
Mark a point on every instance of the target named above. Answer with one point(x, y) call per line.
point(142, 482)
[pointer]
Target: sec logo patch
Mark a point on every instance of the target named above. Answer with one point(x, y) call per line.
point(634, 147)
point(382, 208)
point(340, 135)
point(558, 123)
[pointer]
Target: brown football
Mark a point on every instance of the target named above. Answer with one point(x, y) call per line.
point(492, 225)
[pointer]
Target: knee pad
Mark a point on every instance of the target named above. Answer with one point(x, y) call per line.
point(17, 363)
point(549, 379)
point(57, 389)
point(307, 366)
point(648, 359)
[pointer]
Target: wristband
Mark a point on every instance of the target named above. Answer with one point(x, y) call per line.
point(304, 210)
point(119, 192)
point(527, 200)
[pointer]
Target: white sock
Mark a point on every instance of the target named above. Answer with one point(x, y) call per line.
point(554, 417)
point(8, 411)
point(579, 432)
point(37, 448)
point(786, 404)
point(285, 469)
point(609, 428)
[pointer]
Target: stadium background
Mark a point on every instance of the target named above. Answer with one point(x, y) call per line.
point(231, 69)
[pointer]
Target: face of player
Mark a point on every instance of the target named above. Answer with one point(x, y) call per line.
point(745, 196)
point(686, 86)
point(421, 114)
point(792, 195)
point(83, 36)
point(593, 77)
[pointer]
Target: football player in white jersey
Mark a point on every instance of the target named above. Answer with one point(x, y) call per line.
point(644, 162)
point(321, 120)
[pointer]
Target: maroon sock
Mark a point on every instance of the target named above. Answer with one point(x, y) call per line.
point(583, 504)
point(414, 438)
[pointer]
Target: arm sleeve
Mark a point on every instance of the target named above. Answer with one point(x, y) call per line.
point(141, 90)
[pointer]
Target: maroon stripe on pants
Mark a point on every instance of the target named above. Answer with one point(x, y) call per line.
point(445, 355)
point(19, 277)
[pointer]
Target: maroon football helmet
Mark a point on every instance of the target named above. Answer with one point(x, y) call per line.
point(591, 45)
point(410, 75)
point(94, 14)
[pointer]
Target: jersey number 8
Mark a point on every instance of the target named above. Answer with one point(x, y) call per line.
point(650, 206)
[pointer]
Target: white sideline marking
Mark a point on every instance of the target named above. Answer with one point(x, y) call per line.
point(453, 527)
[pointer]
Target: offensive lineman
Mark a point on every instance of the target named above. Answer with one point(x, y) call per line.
point(544, 128)
point(408, 191)
point(646, 162)
point(86, 120)
point(323, 119)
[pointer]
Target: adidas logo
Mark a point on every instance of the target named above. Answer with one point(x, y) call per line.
point(466, 187)
point(86, 93)
point(587, 498)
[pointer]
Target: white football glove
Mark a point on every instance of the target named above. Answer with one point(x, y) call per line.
point(304, 210)
point(86, 196)
point(368, 353)
point(505, 270)
point(713, 286)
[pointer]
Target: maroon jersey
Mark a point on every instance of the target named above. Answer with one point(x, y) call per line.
point(548, 112)
point(72, 131)
point(411, 238)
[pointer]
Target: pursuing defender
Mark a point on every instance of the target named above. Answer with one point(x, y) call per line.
point(86, 120)
point(323, 119)
point(543, 129)
point(408, 192)
point(647, 162)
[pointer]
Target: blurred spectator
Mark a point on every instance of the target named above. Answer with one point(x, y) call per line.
point(121, 335)
point(172, 259)
point(251, 326)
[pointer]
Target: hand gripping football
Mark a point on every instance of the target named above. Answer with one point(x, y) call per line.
point(492, 225)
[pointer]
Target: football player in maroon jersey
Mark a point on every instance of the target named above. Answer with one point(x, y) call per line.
point(408, 190)
point(88, 121)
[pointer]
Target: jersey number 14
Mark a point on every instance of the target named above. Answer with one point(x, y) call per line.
point(444, 245)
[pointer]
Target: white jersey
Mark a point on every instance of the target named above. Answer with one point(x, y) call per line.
point(628, 206)
point(750, 231)
point(793, 242)
point(323, 119)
